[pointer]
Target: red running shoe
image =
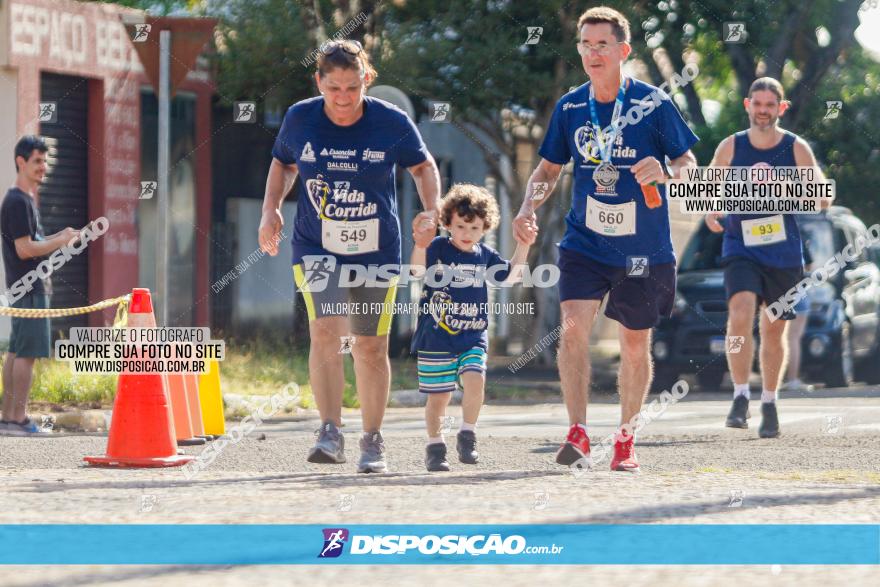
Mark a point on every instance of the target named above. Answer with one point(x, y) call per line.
point(575, 447)
point(625, 456)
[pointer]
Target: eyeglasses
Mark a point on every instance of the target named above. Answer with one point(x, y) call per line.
point(349, 46)
point(602, 49)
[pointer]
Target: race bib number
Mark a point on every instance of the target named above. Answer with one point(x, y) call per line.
point(611, 219)
point(763, 231)
point(350, 238)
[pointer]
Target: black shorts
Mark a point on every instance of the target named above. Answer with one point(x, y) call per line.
point(637, 302)
point(31, 337)
point(768, 283)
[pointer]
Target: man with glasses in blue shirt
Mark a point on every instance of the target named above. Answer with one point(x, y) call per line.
point(619, 131)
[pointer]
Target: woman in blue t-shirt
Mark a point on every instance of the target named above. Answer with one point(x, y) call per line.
point(343, 147)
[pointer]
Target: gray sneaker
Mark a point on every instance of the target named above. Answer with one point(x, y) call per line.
point(372, 453)
point(330, 446)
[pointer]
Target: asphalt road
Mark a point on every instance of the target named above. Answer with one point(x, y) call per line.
point(824, 469)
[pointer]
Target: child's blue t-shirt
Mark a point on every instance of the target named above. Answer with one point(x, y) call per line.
point(453, 318)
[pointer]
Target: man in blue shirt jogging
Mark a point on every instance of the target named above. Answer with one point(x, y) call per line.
point(617, 241)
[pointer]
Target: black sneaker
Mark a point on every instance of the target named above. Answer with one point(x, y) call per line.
point(435, 457)
point(466, 445)
point(769, 421)
point(739, 413)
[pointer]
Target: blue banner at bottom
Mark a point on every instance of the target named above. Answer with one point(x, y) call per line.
point(567, 544)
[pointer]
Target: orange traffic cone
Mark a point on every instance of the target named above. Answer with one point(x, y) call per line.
point(180, 411)
point(195, 411)
point(140, 315)
point(141, 431)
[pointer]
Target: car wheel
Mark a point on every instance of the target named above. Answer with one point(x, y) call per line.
point(868, 369)
point(664, 378)
point(710, 379)
point(840, 369)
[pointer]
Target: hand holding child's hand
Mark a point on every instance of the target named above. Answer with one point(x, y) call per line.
point(525, 228)
point(424, 228)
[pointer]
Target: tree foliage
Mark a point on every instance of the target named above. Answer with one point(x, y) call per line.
point(472, 53)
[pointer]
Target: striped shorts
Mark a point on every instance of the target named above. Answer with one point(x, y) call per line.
point(439, 371)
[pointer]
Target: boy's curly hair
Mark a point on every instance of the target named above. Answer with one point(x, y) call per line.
point(469, 201)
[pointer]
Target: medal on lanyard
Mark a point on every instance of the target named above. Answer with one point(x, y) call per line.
point(606, 174)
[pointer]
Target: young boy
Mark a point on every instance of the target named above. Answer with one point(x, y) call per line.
point(451, 340)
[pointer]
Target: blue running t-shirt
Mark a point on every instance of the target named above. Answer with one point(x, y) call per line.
point(784, 253)
point(348, 206)
point(454, 319)
point(640, 231)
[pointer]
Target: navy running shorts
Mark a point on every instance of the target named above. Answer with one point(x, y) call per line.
point(637, 296)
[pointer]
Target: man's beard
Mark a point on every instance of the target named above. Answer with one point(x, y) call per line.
point(769, 122)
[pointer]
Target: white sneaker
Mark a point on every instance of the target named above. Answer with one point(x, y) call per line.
point(795, 385)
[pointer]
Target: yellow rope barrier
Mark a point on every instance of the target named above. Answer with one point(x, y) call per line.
point(121, 301)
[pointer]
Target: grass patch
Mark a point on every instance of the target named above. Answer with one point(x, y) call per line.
point(55, 383)
point(713, 470)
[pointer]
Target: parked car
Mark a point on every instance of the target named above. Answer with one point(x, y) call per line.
point(842, 338)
